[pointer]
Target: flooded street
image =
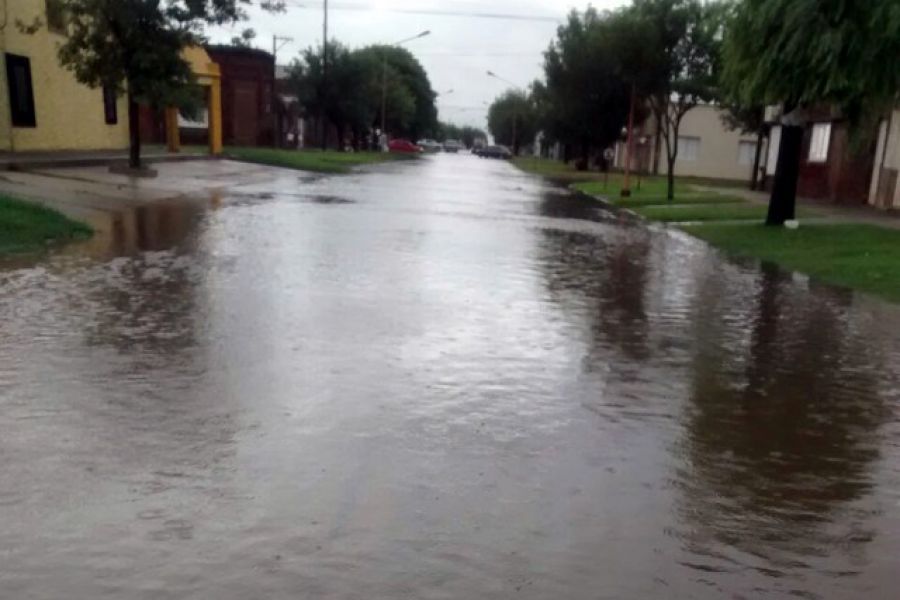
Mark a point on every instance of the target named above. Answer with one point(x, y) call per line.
point(437, 379)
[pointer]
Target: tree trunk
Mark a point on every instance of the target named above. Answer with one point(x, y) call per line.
point(340, 134)
point(754, 177)
point(782, 203)
point(670, 179)
point(134, 132)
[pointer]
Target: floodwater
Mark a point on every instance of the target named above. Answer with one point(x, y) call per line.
point(442, 379)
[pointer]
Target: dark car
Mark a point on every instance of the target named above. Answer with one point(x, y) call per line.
point(404, 146)
point(495, 152)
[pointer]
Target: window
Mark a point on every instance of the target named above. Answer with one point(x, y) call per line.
point(774, 147)
point(56, 16)
point(21, 94)
point(819, 142)
point(746, 153)
point(200, 120)
point(110, 108)
point(688, 148)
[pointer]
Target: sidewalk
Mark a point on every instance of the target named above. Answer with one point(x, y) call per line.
point(130, 214)
point(830, 213)
point(29, 161)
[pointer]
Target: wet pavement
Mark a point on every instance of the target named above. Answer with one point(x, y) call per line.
point(441, 379)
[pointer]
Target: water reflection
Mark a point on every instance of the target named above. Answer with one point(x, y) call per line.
point(604, 276)
point(782, 428)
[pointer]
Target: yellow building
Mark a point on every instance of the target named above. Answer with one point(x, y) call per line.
point(42, 106)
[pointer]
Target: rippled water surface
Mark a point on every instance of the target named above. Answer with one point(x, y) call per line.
point(442, 379)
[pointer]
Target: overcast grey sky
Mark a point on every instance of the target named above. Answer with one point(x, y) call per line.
point(461, 48)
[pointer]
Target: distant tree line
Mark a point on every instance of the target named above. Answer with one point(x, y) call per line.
point(467, 135)
point(351, 86)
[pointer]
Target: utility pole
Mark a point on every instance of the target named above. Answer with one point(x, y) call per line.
point(276, 133)
point(324, 127)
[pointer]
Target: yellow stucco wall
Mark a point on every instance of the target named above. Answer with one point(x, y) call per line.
point(69, 115)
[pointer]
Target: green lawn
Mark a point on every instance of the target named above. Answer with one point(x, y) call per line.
point(320, 161)
point(651, 187)
point(864, 257)
point(25, 226)
point(731, 211)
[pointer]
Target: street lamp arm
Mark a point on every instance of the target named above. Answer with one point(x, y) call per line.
point(415, 37)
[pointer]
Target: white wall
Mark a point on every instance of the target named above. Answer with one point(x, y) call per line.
point(717, 148)
point(887, 161)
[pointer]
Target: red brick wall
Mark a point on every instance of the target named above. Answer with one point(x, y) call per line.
point(248, 77)
point(844, 177)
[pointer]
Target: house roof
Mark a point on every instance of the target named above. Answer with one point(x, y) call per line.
point(239, 51)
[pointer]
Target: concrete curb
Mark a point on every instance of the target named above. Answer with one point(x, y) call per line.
point(34, 164)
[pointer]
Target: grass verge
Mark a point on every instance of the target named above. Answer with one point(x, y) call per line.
point(25, 226)
point(686, 213)
point(320, 161)
point(863, 257)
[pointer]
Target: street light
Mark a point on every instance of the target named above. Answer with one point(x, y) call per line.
point(515, 111)
point(384, 75)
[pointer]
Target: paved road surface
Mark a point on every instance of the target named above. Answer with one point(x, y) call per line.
point(441, 379)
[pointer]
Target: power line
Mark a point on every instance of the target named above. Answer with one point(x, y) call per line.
point(347, 6)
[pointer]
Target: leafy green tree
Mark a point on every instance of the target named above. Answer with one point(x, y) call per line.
point(803, 53)
point(245, 40)
point(584, 103)
point(678, 61)
point(512, 119)
point(350, 96)
point(134, 47)
point(410, 73)
point(466, 134)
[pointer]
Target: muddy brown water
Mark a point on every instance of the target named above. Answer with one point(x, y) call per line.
point(444, 379)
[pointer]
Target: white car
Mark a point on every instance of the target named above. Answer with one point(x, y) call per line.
point(429, 145)
point(453, 146)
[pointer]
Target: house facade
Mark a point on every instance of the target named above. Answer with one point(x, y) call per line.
point(248, 83)
point(42, 106)
point(706, 148)
point(884, 188)
point(833, 166)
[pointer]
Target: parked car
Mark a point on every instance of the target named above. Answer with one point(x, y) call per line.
point(495, 152)
point(429, 145)
point(404, 146)
point(453, 146)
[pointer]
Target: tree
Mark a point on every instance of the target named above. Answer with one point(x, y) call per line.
point(408, 72)
point(748, 120)
point(512, 119)
point(466, 134)
point(803, 53)
point(245, 40)
point(134, 47)
point(584, 102)
point(350, 97)
point(681, 46)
